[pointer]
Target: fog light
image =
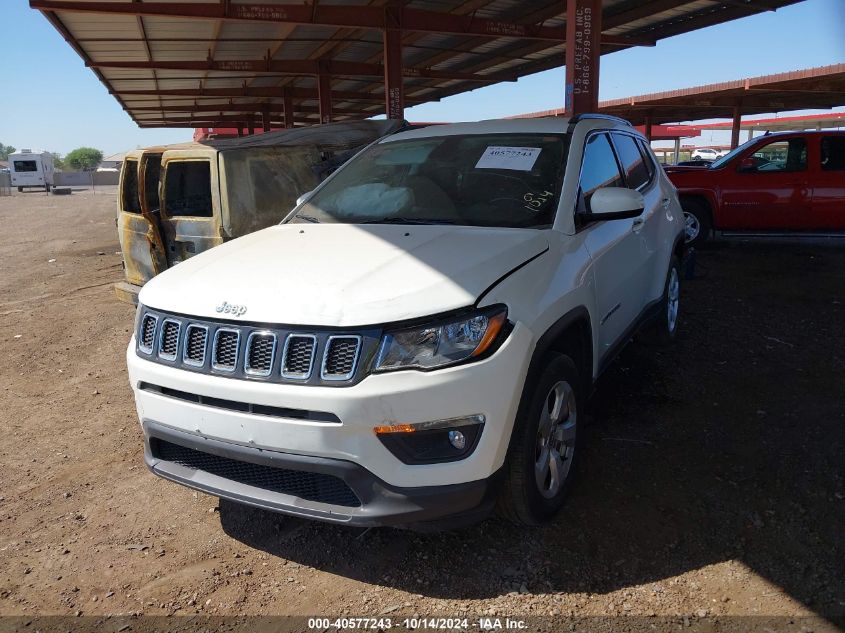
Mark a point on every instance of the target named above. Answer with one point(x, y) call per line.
point(432, 442)
point(458, 440)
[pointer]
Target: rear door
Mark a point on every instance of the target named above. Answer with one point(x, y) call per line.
point(190, 203)
point(828, 206)
point(137, 221)
point(768, 187)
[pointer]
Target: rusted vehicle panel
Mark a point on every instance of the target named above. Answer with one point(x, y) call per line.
point(179, 200)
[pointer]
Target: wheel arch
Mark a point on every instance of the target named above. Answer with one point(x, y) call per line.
point(700, 198)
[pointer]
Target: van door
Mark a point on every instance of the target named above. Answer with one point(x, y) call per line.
point(137, 220)
point(190, 203)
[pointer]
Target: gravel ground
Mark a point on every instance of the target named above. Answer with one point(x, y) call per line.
point(711, 484)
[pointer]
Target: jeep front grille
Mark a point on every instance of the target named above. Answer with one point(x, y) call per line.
point(298, 359)
point(146, 336)
point(256, 352)
point(169, 342)
point(225, 354)
point(195, 340)
point(341, 357)
point(260, 352)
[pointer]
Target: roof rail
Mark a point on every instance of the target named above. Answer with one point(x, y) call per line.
point(593, 115)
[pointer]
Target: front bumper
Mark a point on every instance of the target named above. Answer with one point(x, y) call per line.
point(390, 491)
point(246, 475)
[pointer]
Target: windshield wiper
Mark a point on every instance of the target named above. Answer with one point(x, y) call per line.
point(307, 218)
point(401, 220)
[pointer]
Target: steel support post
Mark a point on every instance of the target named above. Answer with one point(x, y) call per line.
point(583, 39)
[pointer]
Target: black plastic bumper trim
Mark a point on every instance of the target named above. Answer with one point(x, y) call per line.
point(381, 503)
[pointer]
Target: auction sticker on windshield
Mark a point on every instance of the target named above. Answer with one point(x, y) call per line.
point(515, 158)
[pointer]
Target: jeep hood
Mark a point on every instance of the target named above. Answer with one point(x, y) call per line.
point(343, 275)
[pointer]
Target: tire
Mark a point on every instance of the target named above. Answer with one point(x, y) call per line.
point(47, 187)
point(664, 328)
point(20, 189)
point(531, 493)
point(697, 225)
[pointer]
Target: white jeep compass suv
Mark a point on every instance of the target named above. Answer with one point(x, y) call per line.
point(415, 342)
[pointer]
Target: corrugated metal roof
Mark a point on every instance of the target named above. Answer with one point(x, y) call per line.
point(119, 46)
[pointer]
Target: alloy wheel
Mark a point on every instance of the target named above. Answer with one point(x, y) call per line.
point(555, 439)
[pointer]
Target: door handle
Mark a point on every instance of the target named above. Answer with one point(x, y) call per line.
point(637, 224)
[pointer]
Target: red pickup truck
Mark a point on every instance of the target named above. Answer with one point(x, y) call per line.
point(793, 181)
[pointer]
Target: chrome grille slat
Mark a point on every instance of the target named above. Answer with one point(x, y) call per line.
point(196, 338)
point(224, 353)
point(298, 356)
point(340, 358)
point(168, 339)
point(260, 353)
point(146, 335)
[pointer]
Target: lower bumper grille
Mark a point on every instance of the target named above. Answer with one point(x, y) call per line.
point(309, 486)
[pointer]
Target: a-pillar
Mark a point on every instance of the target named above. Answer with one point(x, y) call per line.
point(288, 106)
point(265, 118)
point(735, 126)
point(583, 50)
point(324, 93)
point(394, 89)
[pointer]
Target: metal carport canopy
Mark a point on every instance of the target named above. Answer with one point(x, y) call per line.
point(182, 63)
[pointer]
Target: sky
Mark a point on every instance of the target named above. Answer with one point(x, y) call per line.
point(49, 100)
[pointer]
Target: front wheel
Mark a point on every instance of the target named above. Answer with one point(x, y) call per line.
point(696, 223)
point(543, 452)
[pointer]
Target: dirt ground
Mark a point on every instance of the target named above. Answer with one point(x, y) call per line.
point(711, 483)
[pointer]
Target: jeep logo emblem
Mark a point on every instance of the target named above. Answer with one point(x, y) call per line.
point(228, 308)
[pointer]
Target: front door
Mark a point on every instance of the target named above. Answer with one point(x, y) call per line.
point(137, 225)
point(613, 246)
point(769, 189)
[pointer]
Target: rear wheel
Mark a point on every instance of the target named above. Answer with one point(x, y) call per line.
point(543, 452)
point(697, 223)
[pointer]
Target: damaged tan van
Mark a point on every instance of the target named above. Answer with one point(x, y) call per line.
point(179, 200)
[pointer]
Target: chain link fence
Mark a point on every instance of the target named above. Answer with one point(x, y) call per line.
point(5, 184)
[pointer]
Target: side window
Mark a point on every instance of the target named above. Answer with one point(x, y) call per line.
point(648, 157)
point(833, 153)
point(131, 203)
point(188, 188)
point(598, 169)
point(636, 172)
point(786, 155)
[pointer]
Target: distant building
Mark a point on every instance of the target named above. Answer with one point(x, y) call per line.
point(112, 163)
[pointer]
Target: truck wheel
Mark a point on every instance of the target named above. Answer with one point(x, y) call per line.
point(696, 222)
point(664, 328)
point(47, 187)
point(541, 460)
point(20, 189)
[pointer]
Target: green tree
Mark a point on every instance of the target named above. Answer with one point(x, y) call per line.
point(5, 150)
point(58, 161)
point(84, 158)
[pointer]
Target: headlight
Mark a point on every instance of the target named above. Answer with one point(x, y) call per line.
point(443, 343)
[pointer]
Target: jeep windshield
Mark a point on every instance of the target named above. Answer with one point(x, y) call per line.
point(491, 180)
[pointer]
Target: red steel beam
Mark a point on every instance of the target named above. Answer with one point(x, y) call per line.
point(264, 92)
point(273, 108)
point(367, 17)
point(583, 51)
point(299, 67)
point(324, 91)
point(394, 88)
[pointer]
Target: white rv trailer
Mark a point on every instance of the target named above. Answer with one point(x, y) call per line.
point(31, 168)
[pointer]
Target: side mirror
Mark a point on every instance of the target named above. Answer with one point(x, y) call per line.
point(615, 203)
point(747, 164)
point(303, 198)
